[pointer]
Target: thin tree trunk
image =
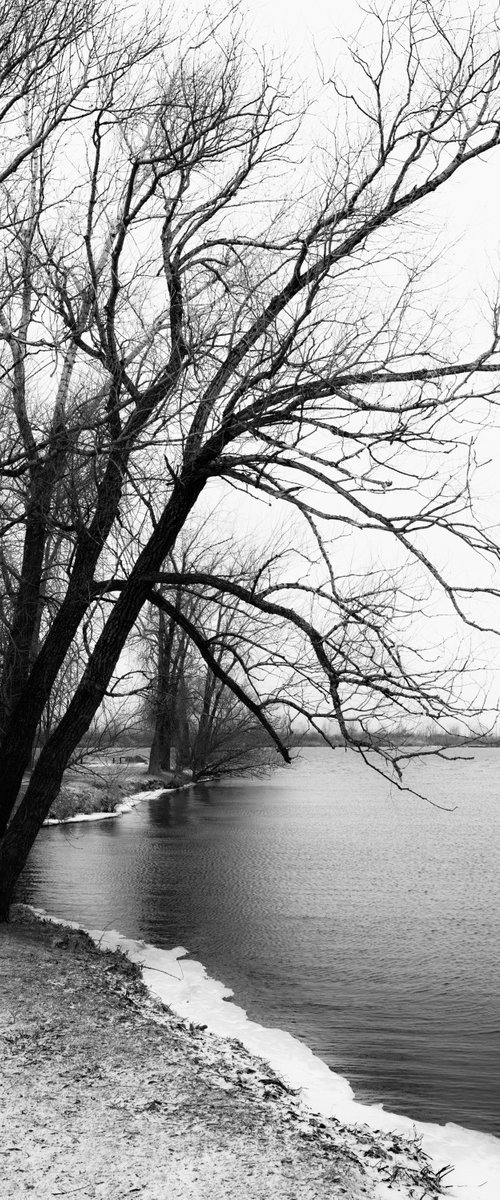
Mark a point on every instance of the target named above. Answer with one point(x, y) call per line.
point(159, 759)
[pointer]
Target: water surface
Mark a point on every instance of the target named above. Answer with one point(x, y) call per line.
point(364, 921)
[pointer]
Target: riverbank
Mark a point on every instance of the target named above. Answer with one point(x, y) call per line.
point(103, 788)
point(108, 1094)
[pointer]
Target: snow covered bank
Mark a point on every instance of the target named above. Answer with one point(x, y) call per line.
point(123, 806)
point(184, 985)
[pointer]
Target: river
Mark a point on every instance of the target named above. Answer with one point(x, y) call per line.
point(363, 920)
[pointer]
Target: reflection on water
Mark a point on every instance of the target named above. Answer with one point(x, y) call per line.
point(364, 921)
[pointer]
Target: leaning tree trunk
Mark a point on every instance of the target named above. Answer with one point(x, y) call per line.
point(47, 776)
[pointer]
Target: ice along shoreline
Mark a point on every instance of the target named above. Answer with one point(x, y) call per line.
point(184, 986)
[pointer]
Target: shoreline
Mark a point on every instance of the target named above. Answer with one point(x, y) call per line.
point(474, 1155)
point(122, 806)
point(309, 1153)
point(467, 1161)
point(126, 805)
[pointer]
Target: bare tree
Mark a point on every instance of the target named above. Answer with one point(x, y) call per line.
point(181, 303)
point(200, 647)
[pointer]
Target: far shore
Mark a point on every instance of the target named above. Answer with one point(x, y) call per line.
point(109, 783)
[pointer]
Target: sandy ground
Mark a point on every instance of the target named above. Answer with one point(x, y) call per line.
point(106, 1094)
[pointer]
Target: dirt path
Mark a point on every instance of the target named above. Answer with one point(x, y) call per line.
point(103, 1094)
